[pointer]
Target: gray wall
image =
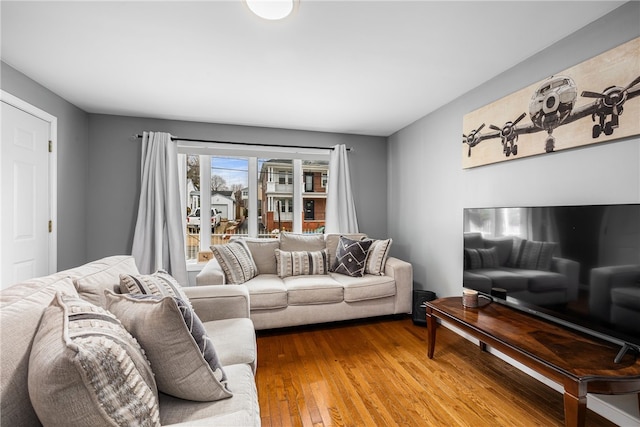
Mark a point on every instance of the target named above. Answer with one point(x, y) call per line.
point(427, 180)
point(72, 162)
point(114, 172)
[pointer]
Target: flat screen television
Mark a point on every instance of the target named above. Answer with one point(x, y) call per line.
point(582, 265)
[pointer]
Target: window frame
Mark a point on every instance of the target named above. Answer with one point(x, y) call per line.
point(252, 153)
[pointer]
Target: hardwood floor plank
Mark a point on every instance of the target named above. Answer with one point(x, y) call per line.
point(376, 372)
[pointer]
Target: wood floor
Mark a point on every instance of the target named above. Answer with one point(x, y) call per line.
point(376, 373)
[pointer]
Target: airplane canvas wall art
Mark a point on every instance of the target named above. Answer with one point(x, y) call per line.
point(595, 101)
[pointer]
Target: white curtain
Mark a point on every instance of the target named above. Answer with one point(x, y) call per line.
point(158, 240)
point(341, 210)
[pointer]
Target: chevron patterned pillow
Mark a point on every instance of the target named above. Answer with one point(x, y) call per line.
point(351, 256)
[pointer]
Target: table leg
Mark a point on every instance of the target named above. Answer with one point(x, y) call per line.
point(431, 333)
point(575, 410)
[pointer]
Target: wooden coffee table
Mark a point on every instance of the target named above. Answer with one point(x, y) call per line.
point(581, 364)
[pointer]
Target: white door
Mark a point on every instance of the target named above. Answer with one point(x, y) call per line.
point(26, 207)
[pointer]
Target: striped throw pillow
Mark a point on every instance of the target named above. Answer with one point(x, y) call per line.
point(300, 263)
point(159, 283)
point(84, 357)
point(532, 255)
point(236, 262)
point(378, 253)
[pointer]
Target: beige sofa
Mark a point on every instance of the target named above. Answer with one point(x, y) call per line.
point(223, 310)
point(278, 302)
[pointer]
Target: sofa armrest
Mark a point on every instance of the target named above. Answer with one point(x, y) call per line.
point(216, 302)
point(402, 273)
point(570, 269)
point(211, 274)
point(602, 280)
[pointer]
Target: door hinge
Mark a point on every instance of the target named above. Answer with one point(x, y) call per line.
point(50, 226)
point(50, 147)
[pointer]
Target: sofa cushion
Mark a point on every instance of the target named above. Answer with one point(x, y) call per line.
point(504, 278)
point(159, 284)
point(365, 288)
point(267, 291)
point(235, 341)
point(301, 242)
point(543, 281)
point(306, 290)
point(236, 262)
point(298, 263)
point(480, 258)
point(183, 357)
point(263, 252)
point(473, 240)
point(531, 255)
point(105, 275)
point(504, 246)
point(351, 256)
point(628, 297)
point(475, 281)
point(241, 410)
point(21, 309)
point(86, 369)
point(377, 257)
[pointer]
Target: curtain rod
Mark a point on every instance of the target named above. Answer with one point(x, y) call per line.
point(175, 138)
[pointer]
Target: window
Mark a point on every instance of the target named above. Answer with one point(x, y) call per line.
point(496, 222)
point(308, 182)
point(249, 193)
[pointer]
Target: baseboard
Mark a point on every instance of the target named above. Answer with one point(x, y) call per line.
point(621, 410)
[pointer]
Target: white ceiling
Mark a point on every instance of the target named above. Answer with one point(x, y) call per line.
point(363, 67)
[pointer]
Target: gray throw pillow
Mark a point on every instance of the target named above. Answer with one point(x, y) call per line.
point(481, 258)
point(183, 358)
point(351, 257)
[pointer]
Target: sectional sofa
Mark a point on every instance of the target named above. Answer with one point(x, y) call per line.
point(280, 298)
point(67, 361)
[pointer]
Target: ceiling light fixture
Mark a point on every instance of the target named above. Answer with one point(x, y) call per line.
point(272, 9)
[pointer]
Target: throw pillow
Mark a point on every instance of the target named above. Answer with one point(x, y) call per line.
point(91, 286)
point(86, 369)
point(183, 358)
point(159, 283)
point(481, 258)
point(531, 255)
point(262, 251)
point(351, 256)
point(299, 263)
point(378, 253)
point(236, 262)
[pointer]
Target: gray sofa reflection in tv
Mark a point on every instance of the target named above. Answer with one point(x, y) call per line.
point(614, 295)
point(550, 283)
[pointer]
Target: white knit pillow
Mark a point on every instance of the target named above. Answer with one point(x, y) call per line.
point(84, 357)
